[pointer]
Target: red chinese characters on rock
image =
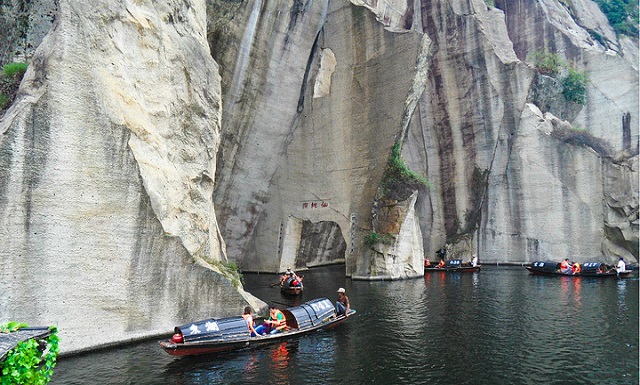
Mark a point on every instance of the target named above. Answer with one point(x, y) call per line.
point(315, 204)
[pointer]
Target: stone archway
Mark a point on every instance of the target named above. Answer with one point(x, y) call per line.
point(308, 244)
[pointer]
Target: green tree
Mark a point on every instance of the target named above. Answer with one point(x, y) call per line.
point(574, 86)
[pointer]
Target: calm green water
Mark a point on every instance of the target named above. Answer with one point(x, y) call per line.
point(498, 326)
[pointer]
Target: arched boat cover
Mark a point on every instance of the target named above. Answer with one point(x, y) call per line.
point(548, 266)
point(223, 329)
point(590, 267)
point(309, 314)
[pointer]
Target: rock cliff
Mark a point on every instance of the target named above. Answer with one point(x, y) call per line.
point(108, 159)
point(152, 142)
point(516, 171)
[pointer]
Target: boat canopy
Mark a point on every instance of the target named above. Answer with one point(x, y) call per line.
point(590, 267)
point(309, 314)
point(230, 328)
point(453, 263)
point(548, 266)
point(305, 316)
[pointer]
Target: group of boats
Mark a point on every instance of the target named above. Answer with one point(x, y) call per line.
point(223, 334)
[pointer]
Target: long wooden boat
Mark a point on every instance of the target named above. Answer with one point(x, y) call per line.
point(588, 269)
point(224, 334)
point(291, 286)
point(453, 265)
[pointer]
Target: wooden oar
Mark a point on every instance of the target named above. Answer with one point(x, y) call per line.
point(277, 283)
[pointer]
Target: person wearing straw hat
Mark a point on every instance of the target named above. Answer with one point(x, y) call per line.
point(342, 304)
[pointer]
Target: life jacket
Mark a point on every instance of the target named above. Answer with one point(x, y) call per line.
point(575, 268)
point(564, 265)
point(441, 264)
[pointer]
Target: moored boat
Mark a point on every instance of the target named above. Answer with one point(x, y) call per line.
point(587, 269)
point(230, 333)
point(453, 265)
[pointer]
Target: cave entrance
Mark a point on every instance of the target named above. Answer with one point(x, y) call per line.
point(309, 244)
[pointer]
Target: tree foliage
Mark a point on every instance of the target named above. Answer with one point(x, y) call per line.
point(32, 361)
point(622, 15)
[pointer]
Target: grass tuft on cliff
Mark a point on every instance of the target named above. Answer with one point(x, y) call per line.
point(12, 74)
point(398, 181)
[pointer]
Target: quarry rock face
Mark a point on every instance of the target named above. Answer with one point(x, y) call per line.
point(152, 142)
point(316, 144)
point(108, 159)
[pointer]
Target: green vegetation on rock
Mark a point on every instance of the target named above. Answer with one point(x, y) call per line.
point(12, 74)
point(622, 15)
point(574, 81)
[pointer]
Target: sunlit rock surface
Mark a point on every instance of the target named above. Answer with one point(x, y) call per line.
point(289, 155)
point(108, 158)
point(134, 118)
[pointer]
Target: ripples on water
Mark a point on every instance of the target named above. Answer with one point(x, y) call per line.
point(498, 326)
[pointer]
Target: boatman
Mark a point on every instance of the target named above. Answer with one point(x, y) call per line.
point(622, 267)
point(342, 304)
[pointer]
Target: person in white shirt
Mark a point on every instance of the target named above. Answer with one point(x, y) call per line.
point(474, 260)
point(622, 267)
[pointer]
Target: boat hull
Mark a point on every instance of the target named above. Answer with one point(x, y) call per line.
point(607, 274)
point(461, 269)
point(291, 290)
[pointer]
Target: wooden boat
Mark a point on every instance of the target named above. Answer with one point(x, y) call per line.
point(453, 265)
point(291, 286)
point(588, 269)
point(224, 334)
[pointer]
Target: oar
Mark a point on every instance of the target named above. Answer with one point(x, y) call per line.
point(277, 283)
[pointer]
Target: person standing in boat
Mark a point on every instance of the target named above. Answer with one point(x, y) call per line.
point(342, 304)
point(565, 266)
point(622, 266)
point(249, 320)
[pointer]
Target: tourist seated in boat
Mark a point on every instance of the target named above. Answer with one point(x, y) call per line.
point(290, 278)
point(441, 264)
point(342, 304)
point(565, 266)
point(276, 322)
point(427, 263)
point(575, 268)
point(248, 317)
point(622, 266)
point(474, 260)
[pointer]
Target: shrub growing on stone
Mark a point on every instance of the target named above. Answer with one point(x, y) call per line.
point(574, 86)
point(548, 63)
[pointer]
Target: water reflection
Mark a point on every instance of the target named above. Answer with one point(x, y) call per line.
point(496, 326)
